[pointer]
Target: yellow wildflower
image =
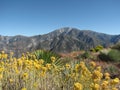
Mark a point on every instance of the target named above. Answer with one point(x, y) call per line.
point(41, 61)
point(93, 64)
point(37, 66)
point(42, 74)
point(20, 62)
point(67, 66)
point(98, 68)
point(115, 81)
point(1, 69)
point(25, 75)
point(114, 89)
point(77, 67)
point(82, 64)
point(48, 66)
point(35, 84)
point(23, 89)
point(78, 86)
point(1, 76)
point(97, 75)
point(11, 80)
point(53, 59)
point(107, 74)
point(95, 86)
point(104, 85)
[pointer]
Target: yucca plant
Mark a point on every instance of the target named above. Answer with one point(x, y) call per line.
point(45, 55)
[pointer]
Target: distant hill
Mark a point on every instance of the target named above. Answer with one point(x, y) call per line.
point(61, 40)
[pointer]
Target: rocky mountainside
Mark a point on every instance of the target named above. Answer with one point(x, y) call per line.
point(61, 40)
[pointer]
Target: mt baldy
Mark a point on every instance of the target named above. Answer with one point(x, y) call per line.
point(61, 41)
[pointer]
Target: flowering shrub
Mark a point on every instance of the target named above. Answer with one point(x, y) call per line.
point(27, 74)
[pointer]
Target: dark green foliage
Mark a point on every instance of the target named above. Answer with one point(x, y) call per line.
point(85, 55)
point(103, 56)
point(45, 55)
point(113, 55)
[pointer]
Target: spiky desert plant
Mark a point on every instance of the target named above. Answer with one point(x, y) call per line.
point(42, 54)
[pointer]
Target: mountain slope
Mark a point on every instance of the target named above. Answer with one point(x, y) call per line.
point(61, 40)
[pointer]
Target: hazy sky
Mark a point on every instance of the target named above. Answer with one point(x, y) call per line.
point(33, 17)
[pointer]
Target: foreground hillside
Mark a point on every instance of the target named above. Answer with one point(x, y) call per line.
point(62, 40)
point(31, 72)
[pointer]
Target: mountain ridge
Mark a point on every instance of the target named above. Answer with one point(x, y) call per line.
point(63, 40)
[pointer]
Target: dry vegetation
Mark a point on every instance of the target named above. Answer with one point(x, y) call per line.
point(30, 73)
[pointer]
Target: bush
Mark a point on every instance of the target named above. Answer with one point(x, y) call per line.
point(85, 55)
point(103, 56)
point(112, 55)
point(28, 74)
point(96, 49)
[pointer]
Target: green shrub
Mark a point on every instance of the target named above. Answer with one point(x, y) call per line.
point(103, 56)
point(98, 48)
point(113, 55)
point(85, 55)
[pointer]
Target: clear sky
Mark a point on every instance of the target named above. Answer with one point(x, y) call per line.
point(34, 17)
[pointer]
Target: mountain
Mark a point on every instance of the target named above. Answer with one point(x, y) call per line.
point(61, 40)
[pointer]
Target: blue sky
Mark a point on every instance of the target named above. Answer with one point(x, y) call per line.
point(34, 17)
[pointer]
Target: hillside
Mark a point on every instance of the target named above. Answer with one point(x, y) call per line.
point(61, 40)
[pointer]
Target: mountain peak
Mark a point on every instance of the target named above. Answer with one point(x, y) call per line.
point(65, 39)
point(65, 29)
point(62, 31)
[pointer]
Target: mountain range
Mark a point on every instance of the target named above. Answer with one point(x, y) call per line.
point(61, 41)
